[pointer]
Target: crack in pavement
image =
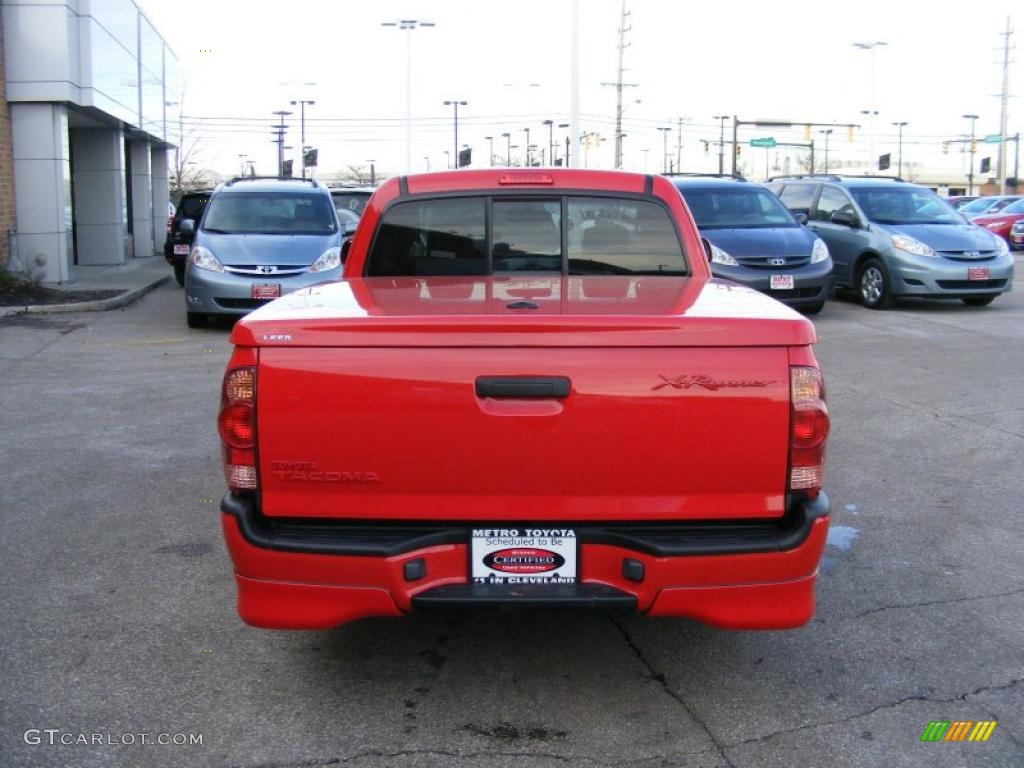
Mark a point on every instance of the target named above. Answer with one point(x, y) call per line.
point(890, 705)
point(949, 601)
point(661, 680)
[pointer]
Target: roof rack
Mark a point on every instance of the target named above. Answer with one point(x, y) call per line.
point(735, 176)
point(269, 178)
point(832, 177)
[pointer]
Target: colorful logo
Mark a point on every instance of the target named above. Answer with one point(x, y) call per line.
point(958, 730)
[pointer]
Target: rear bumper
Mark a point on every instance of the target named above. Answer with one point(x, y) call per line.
point(740, 575)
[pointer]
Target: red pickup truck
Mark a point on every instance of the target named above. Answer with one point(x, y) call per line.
point(527, 391)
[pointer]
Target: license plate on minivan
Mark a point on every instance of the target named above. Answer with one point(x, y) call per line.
point(266, 290)
point(181, 249)
point(977, 273)
point(781, 282)
point(526, 555)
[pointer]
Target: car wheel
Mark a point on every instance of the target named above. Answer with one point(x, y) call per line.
point(197, 320)
point(813, 309)
point(979, 301)
point(873, 285)
point(179, 274)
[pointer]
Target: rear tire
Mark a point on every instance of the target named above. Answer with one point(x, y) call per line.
point(179, 274)
point(979, 301)
point(813, 309)
point(197, 320)
point(873, 285)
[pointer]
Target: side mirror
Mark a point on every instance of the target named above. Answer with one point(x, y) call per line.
point(350, 228)
point(844, 217)
point(187, 226)
point(345, 248)
point(707, 248)
point(801, 218)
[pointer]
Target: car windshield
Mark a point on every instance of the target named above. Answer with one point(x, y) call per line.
point(904, 205)
point(270, 213)
point(350, 201)
point(737, 208)
point(1015, 207)
point(980, 205)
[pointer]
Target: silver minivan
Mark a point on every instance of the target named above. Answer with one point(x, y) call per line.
point(890, 239)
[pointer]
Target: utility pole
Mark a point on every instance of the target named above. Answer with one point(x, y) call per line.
point(664, 150)
point(490, 150)
point(456, 104)
point(721, 145)
point(619, 85)
point(528, 158)
point(1004, 97)
point(679, 142)
point(280, 141)
point(508, 149)
point(551, 141)
point(827, 132)
point(970, 173)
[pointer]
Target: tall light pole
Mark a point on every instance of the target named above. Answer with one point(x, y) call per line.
point(721, 143)
point(455, 104)
point(490, 150)
point(302, 129)
point(241, 157)
point(527, 132)
point(873, 106)
point(551, 140)
point(827, 132)
point(447, 158)
point(899, 148)
point(568, 141)
point(508, 149)
point(282, 113)
point(970, 173)
point(408, 25)
point(664, 150)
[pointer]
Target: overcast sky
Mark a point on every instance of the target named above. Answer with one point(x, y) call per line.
point(777, 59)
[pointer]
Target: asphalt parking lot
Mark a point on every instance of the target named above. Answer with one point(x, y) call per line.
point(118, 612)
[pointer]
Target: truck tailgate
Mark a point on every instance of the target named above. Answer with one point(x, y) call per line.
point(404, 433)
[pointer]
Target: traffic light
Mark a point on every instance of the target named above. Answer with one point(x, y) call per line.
point(707, 146)
point(807, 133)
point(884, 161)
point(849, 133)
point(286, 169)
point(309, 157)
point(739, 150)
point(465, 157)
point(986, 164)
point(974, 145)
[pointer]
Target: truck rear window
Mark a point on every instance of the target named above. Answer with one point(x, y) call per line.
point(573, 235)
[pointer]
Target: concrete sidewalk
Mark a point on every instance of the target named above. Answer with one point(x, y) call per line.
point(133, 279)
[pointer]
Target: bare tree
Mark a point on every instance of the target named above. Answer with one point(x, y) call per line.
point(359, 174)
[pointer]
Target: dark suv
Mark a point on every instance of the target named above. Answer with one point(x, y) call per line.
point(890, 239)
point(757, 242)
point(178, 243)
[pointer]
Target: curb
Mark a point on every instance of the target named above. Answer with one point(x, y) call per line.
point(99, 305)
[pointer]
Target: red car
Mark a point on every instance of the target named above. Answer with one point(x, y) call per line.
point(1003, 222)
point(526, 392)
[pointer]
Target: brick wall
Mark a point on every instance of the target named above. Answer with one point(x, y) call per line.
point(6, 165)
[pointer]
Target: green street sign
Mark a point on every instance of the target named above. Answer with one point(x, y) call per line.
point(765, 142)
point(993, 138)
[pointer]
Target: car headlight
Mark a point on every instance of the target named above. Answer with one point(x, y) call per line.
point(329, 259)
point(203, 259)
point(1001, 247)
point(718, 256)
point(819, 252)
point(911, 245)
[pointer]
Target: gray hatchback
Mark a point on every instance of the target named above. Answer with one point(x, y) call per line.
point(260, 239)
point(890, 239)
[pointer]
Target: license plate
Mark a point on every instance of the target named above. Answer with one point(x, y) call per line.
point(266, 290)
point(526, 555)
point(781, 282)
point(977, 273)
point(182, 249)
point(1017, 238)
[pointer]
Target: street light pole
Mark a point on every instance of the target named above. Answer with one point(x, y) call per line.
point(899, 148)
point(551, 140)
point(827, 132)
point(454, 103)
point(280, 141)
point(721, 143)
point(527, 132)
point(970, 173)
point(302, 130)
point(565, 162)
point(408, 25)
point(448, 159)
point(241, 157)
point(872, 110)
point(490, 150)
point(508, 149)
point(664, 149)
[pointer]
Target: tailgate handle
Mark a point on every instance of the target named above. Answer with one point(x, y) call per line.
point(522, 386)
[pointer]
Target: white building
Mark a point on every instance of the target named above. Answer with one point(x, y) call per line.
point(93, 93)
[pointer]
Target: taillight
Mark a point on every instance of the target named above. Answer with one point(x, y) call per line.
point(237, 426)
point(170, 222)
point(809, 424)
